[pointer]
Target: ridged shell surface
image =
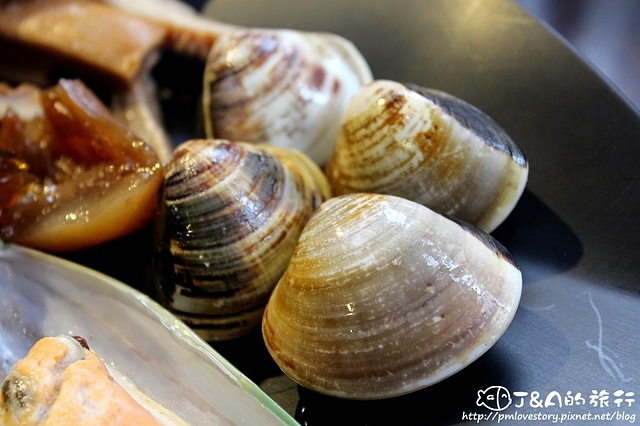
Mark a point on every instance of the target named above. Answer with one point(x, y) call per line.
point(429, 147)
point(281, 87)
point(383, 297)
point(231, 214)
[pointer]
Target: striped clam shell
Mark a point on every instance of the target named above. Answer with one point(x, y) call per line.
point(383, 297)
point(230, 216)
point(282, 87)
point(429, 147)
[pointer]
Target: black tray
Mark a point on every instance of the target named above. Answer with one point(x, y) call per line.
point(574, 233)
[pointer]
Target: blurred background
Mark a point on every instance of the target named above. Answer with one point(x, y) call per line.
point(606, 33)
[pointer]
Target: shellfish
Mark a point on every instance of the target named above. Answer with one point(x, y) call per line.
point(383, 297)
point(230, 217)
point(430, 147)
point(282, 87)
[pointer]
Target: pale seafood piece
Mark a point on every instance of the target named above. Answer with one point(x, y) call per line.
point(87, 37)
point(383, 297)
point(429, 147)
point(60, 381)
point(230, 215)
point(139, 109)
point(24, 100)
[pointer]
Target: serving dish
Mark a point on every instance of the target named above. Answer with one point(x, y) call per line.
point(574, 232)
point(43, 295)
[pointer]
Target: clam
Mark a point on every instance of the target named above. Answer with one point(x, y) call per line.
point(383, 297)
point(230, 216)
point(282, 87)
point(430, 147)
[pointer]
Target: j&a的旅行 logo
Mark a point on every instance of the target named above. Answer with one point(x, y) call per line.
point(495, 398)
point(598, 405)
point(499, 398)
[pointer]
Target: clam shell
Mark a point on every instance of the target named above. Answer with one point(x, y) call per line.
point(429, 147)
point(281, 87)
point(383, 297)
point(231, 214)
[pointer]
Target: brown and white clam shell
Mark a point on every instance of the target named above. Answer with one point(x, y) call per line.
point(429, 147)
point(282, 87)
point(383, 297)
point(231, 214)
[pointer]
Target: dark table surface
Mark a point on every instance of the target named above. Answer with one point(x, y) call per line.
point(574, 233)
point(607, 34)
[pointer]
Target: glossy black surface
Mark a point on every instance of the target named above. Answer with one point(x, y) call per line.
point(574, 233)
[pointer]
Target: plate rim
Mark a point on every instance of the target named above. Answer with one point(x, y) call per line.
point(135, 299)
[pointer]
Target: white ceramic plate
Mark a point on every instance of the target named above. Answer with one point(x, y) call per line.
point(43, 295)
